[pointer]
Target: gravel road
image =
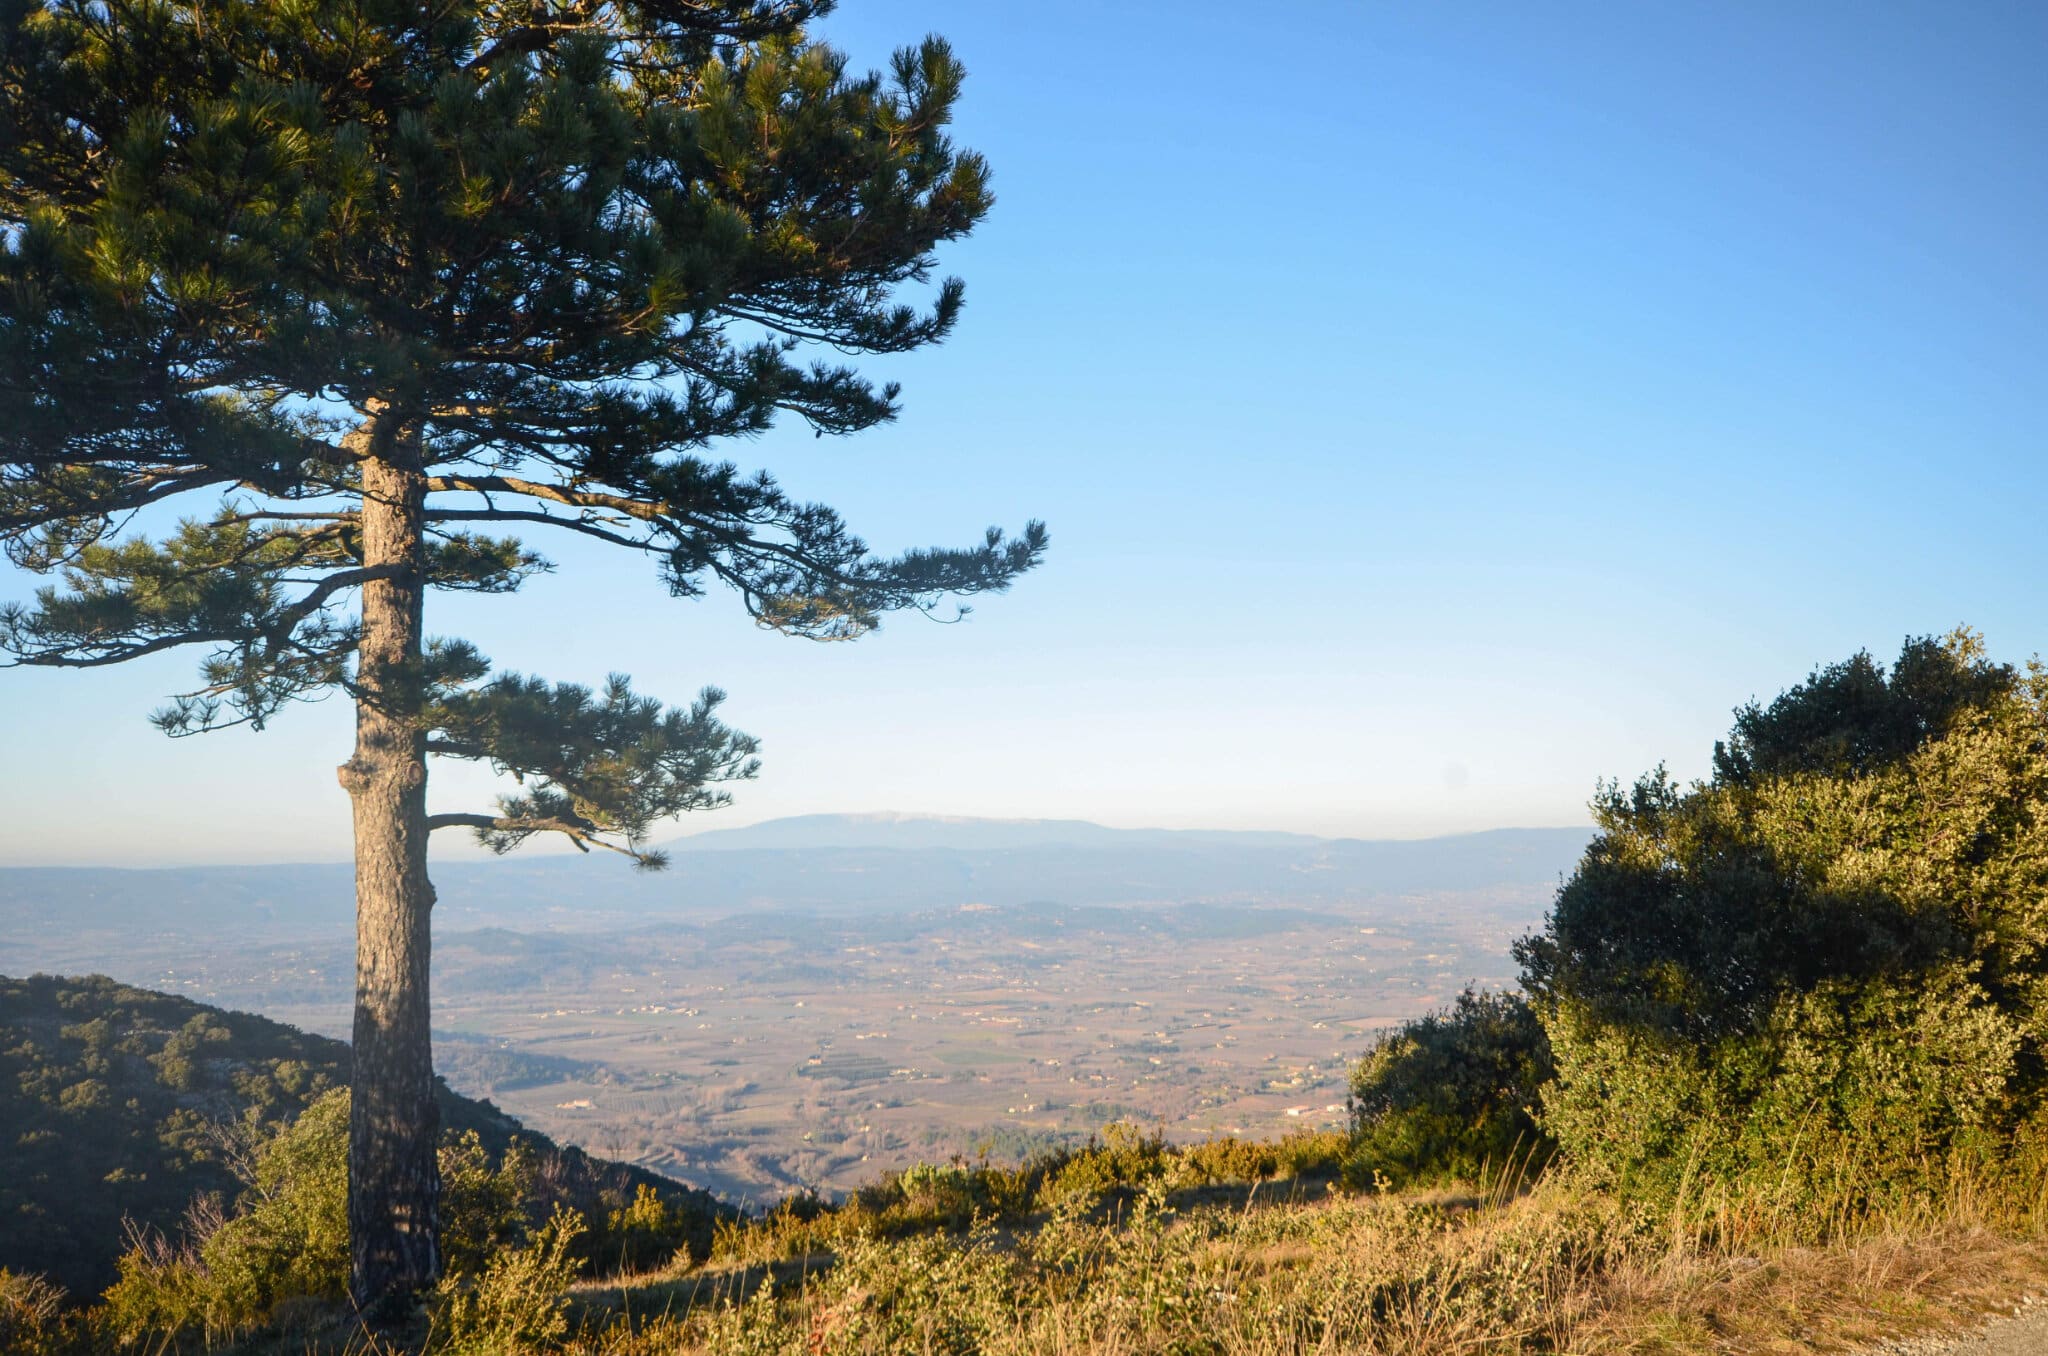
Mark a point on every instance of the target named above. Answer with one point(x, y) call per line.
point(2023, 1332)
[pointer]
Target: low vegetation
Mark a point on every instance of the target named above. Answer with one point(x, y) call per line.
point(140, 1115)
point(1135, 1246)
point(1774, 1080)
point(116, 1102)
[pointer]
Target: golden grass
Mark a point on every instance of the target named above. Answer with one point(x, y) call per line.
point(1897, 1282)
point(1550, 1269)
point(1296, 1269)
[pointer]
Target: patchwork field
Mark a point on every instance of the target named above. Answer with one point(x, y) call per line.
point(763, 1054)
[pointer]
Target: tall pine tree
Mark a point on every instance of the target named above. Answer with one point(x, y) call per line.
point(367, 278)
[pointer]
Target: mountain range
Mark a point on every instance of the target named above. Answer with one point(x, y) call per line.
point(834, 865)
point(961, 833)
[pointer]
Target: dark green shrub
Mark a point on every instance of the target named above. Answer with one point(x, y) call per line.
point(485, 1206)
point(1229, 1161)
point(1820, 976)
point(1311, 1153)
point(1450, 1095)
point(644, 1234)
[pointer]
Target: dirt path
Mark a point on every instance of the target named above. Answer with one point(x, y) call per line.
point(2021, 1333)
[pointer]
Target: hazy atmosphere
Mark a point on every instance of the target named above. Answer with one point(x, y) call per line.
point(1434, 412)
point(734, 677)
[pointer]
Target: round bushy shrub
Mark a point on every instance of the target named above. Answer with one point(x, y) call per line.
point(1822, 973)
point(1451, 1095)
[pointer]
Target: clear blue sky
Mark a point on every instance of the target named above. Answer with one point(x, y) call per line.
point(1436, 408)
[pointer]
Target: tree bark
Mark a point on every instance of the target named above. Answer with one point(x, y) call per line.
point(394, 1181)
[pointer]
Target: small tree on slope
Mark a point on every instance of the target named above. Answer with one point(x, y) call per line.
point(373, 277)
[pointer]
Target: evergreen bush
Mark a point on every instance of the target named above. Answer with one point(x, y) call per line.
point(1818, 978)
point(1451, 1095)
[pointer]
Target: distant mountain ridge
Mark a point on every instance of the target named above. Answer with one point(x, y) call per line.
point(837, 865)
point(892, 829)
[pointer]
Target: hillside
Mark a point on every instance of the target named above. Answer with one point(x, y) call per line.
point(121, 1104)
point(1239, 1249)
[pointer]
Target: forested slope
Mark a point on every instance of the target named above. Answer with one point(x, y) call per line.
point(122, 1104)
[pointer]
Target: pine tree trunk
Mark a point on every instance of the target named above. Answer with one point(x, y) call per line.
point(393, 1178)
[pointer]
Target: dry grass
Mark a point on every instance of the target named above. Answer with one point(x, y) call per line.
point(1549, 1269)
point(1294, 1269)
point(1896, 1282)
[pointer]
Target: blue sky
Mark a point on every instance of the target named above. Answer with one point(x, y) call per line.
point(1435, 408)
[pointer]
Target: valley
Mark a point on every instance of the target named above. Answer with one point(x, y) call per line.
point(763, 1052)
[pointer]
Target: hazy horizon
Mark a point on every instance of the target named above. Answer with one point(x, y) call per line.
point(709, 824)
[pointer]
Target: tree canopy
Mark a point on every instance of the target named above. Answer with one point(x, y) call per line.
point(561, 250)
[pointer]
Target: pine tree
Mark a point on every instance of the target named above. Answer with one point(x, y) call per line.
point(366, 278)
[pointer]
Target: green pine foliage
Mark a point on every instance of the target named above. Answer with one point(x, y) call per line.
point(552, 260)
point(365, 288)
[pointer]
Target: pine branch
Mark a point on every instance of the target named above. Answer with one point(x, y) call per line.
point(494, 830)
point(817, 581)
point(608, 762)
point(583, 525)
point(547, 251)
